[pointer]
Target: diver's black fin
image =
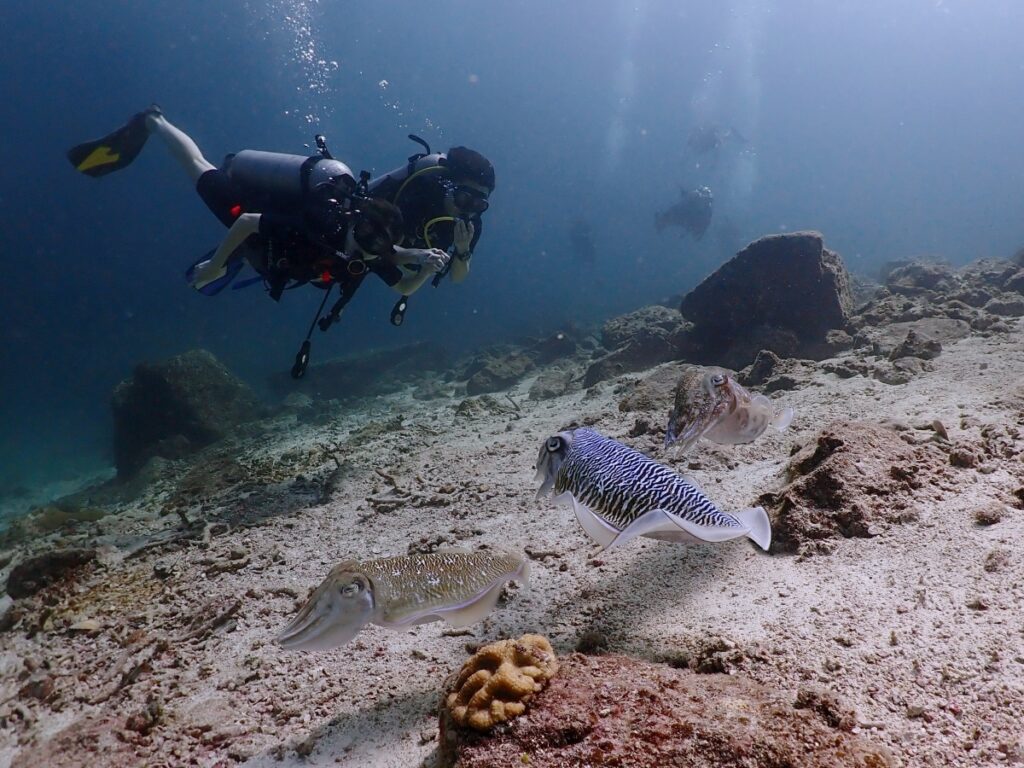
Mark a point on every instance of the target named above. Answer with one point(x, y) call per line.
point(114, 151)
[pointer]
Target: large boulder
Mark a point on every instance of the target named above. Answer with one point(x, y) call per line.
point(175, 407)
point(782, 292)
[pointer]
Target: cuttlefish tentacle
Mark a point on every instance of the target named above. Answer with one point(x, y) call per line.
point(335, 613)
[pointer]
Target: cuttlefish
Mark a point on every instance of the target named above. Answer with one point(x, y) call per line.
point(454, 585)
point(618, 493)
point(710, 403)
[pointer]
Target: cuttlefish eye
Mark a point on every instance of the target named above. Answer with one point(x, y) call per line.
point(718, 379)
point(554, 444)
point(351, 589)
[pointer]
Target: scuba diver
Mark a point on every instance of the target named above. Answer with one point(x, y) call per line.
point(293, 219)
point(442, 197)
point(692, 213)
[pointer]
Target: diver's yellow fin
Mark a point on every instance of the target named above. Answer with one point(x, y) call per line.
point(112, 152)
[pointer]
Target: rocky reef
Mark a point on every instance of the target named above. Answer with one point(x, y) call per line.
point(175, 407)
point(853, 479)
point(614, 710)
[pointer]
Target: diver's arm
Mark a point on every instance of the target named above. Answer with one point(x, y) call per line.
point(245, 225)
point(467, 234)
point(460, 267)
point(412, 282)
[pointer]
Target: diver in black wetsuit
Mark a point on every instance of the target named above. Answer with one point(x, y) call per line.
point(442, 197)
point(294, 219)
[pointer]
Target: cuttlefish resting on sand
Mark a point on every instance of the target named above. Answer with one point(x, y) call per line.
point(456, 585)
point(618, 494)
point(710, 403)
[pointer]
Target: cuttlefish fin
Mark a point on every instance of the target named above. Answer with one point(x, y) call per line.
point(597, 529)
point(475, 610)
point(780, 420)
point(665, 526)
point(759, 527)
point(564, 499)
point(783, 419)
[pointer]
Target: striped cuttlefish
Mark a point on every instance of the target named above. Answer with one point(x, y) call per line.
point(618, 493)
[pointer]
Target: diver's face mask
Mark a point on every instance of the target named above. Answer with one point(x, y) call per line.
point(470, 199)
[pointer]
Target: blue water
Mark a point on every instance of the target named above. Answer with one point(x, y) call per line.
point(894, 128)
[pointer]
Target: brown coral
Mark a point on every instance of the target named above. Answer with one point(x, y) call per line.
point(496, 682)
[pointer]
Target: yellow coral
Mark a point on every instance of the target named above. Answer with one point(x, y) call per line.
point(496, 682)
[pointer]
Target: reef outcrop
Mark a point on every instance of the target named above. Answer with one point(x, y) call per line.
point(782, 292)
point(40, 571)
point(175, 407)
point(614, 710)
point(495, 374)
point(639, 340)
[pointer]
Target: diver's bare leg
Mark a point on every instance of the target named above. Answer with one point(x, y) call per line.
point(185, 151)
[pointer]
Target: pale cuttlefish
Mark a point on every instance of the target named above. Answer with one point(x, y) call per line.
point(618, 494)
point(711, 403)
point(456, 585)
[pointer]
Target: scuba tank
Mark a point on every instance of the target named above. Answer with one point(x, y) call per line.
point(390, 186)
point(281, 182)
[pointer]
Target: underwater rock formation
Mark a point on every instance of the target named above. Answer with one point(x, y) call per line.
point(613, 710)
point(622, 330)
point(557, 346)
point(498, 373)
point(917, 277)
point(38, 572)
point(639, 340)
point(781, 292)
point(923, 338)
point(496, 683)
point(553, 382)
point(175, 407)
point(979, 294)
point(852, 480)
point(917, 345)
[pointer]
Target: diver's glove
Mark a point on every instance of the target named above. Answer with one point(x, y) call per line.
point(464, 231)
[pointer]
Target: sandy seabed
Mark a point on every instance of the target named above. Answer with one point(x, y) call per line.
point(173, 661)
